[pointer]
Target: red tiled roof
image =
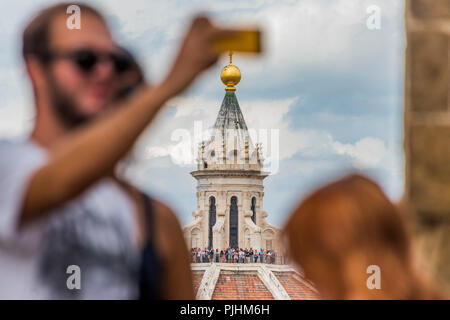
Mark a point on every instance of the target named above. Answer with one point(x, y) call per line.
point(240, 286)
point(197, 276)
point(296, 288)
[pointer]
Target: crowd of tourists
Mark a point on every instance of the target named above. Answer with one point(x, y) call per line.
point(232, 255)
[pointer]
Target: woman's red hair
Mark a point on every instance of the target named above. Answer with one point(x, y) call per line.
point(346, 226)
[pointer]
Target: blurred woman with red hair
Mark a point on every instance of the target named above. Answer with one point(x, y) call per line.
point(340, 230)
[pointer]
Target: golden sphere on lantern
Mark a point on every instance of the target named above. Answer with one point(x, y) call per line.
point(230, 76)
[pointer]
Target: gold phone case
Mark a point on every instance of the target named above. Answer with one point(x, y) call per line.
point(248, 40)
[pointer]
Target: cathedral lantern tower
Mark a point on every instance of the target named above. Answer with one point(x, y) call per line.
point(230, 186)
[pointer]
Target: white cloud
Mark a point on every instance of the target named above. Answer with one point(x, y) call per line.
point(366, 153)
point(156, 152)
point(291, 30)
point(173, 134)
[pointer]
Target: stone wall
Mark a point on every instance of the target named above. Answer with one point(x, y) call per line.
point(427, 130)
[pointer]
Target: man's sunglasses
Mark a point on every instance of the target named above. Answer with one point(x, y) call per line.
point(87, 59)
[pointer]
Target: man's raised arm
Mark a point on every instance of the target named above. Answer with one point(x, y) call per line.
point(91, 152)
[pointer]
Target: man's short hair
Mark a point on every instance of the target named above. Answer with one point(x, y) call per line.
point(36, 36)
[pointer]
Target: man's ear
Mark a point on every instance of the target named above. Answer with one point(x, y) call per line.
point(35, 71)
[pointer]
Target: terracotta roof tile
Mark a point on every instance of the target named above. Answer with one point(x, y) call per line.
point(240, 286)
point(296, 287)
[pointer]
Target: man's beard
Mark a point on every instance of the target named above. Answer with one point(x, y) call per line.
point(68, 111)
point(65, 106)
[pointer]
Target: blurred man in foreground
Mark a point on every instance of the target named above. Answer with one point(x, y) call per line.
point(60, 203)
point(347, 228)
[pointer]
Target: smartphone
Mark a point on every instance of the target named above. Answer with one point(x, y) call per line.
point(244, 40)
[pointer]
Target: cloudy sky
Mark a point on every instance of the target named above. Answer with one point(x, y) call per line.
point(331, 87)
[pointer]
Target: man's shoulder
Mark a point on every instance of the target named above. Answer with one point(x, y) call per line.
point(19, 150)
point(165, 214)
point(11, 144)
point(18, 145)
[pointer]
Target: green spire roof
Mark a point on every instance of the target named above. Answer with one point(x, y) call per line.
point(230, 115)
point(230, 122)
